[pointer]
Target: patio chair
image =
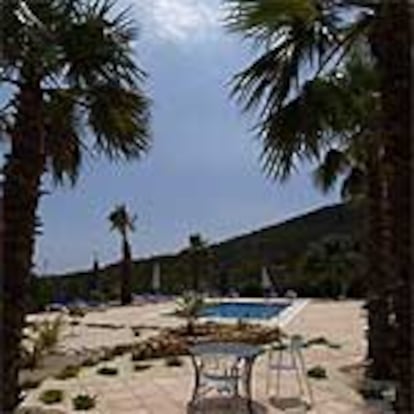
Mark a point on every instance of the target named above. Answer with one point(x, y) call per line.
point(285, 357)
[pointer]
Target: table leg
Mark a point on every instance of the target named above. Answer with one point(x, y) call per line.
point(196, 381)
point(248, 384)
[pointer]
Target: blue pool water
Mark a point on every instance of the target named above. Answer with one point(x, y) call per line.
point(243, 310)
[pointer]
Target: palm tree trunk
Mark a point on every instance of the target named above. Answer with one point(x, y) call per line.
point(380, 334)
point(395, 65)
point(126, 273)
point(195, 270)
point(22, 172)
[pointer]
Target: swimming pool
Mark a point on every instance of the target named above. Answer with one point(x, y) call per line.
point(243, 310)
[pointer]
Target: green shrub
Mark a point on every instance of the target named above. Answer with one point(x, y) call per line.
point(89, 362)
point(107, 356)
point(190, 306)
point(83, 402)
point(141, 367)
point(44, 338)
point(173, 361)
point(317, 372)
point(119, 350)
point(320, 340)
point(137, 355)
point(48, 333)
point(51, 396)
point(76, 312)
point(109, 371)
point(30, 384)
point(136, 331)
point(70, 371)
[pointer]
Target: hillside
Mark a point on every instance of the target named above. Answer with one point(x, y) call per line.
point(236, 261)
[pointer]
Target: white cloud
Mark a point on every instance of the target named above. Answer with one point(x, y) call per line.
point(179, 20)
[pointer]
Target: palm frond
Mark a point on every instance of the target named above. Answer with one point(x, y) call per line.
point(119, 119)
point(299, 107)
point(303, 127)
point(121, 220)
point(63, 146)
point(89, 76)
point(334, 165)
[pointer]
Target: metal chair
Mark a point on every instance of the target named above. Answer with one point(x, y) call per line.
point(288, 357)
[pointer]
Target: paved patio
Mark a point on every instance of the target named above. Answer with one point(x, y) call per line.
point(162, 389)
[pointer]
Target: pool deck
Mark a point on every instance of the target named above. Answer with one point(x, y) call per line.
point(162, 389)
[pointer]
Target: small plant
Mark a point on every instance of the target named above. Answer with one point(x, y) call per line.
point(137, 355)
point(51, 396)
point(136, 331)
point(317, 372)
point(109, 371)
point(189, 307)
point(119, 350)
point(323, 342)
point(141, 367)
point(83, 402)
point(106, 356)
point(30, 384)
point(89, 362)
point(241, 324)
point(44, 337)
point(48, 333)
point(76, 312)
point(70, 371)
point(173, 361)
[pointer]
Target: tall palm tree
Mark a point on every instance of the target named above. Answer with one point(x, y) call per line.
point(393, 36)
point(197, 252)
point(358, 157)
point(338, 111)
point(301, 40)
point(74, 87)
point(122, 222)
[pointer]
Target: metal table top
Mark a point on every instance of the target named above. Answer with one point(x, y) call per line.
point(237, 349)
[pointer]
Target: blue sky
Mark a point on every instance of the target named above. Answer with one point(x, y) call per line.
point(202, 174)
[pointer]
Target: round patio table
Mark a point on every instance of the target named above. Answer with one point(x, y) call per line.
point(243, 354)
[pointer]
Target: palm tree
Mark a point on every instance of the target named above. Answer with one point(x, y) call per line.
point(93, 285)
point(122, 222)
point(197, 253)
point(393, 45)
point(358, 157)
point(74, 88)
point(302, 40)
point(339, 115)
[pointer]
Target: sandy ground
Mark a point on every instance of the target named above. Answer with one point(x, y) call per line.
point(161, 389)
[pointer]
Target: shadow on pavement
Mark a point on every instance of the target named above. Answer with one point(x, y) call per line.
point(223, 405)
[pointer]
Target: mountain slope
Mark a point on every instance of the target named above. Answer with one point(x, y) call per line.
point(236, 261)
